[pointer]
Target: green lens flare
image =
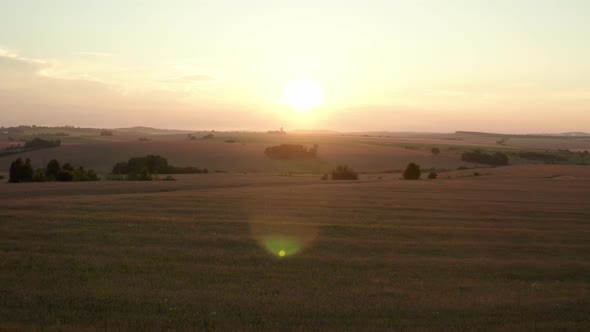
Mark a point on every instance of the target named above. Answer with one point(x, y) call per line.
point(281, 246)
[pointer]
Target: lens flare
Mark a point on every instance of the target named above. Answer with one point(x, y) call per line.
point(282, 245)
point(283, 239)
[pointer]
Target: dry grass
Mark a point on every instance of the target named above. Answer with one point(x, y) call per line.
point(494, 252)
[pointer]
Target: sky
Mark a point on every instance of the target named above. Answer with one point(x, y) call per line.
point(518, 66)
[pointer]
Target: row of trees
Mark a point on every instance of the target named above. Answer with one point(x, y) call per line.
point(39, 143)
point(344, 172)
point(22, 171)
point(477, 156)
point(143, 167)
point(291, 152)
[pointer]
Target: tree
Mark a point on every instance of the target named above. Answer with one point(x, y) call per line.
point(412, 172)
point(15, 170)
point(477, 156)
point(435, 151)
point(343, 172)
point(52, 169)
point(432, 175)
point(21, 172)
point(64, 176)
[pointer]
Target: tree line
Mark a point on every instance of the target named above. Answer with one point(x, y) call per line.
point(477, 156)
point(141, 167)
point(23, 171)
point(291, 152)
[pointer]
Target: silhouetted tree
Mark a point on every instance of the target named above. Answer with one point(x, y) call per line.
point(21, 172)
point(498, 158)
point(343, 172)
point(68, 167)
point(412, 172)
point(52, 169)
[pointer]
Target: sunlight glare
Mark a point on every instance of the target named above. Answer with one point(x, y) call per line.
point(303, 94)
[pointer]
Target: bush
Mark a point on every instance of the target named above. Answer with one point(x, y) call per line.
point(435, 151)
point(432, 175)
point(39, 175)
point(540, 156)
point(142, 175)
point(80, 174)
point(343, 172)
point(412, 172)
point(65, 176)
point(169, 178)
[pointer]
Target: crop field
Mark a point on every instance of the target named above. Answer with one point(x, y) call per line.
point(506, 250)
point(263, 244)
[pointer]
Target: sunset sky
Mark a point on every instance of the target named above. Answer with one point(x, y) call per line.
point(502, 66)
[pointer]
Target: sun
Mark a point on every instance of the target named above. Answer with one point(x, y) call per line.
point(303, 94)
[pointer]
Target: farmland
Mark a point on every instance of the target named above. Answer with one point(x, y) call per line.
point(256, 249)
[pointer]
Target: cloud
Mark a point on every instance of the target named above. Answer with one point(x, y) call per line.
point(50, 92)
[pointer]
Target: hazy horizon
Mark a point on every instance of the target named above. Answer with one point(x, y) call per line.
point(348, 66)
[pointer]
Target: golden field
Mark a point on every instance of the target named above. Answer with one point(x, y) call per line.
point(507, 249)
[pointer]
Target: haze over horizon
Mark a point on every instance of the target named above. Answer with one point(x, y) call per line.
point(425, 66)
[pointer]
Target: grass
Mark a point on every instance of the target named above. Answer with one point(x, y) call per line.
point(462, 254)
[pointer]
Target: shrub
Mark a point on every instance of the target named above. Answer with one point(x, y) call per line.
point(39, 175)
point(142, 175)
point(435, 151)
point(412, 172)
point(169, 178)
point(540, 156)
point(65, 176)
point(343, 172)
point(80, 174)
point(432, 175)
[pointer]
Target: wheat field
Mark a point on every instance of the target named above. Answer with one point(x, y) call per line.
point(507, 250)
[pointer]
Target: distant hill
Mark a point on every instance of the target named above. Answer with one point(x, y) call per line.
point(315, 131)
point(149, 130)
point(568, 134)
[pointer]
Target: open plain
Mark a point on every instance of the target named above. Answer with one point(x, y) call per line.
point(504, 249)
